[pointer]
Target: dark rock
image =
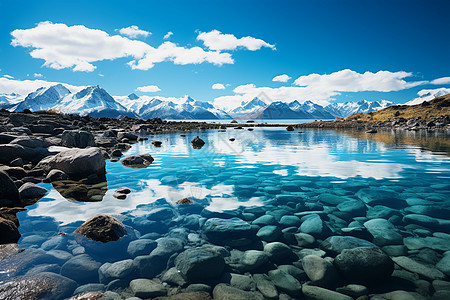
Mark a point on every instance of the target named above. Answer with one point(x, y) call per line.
point(141, 247)
point(318, 293)
point(81, 268)
point(315, 226)
point(145, 288)
point(200, 264)
point(11, 152)
point(9, 232)
point(119, 196)
point(18, 162)
point(9, 194)
point(157, 143)
point(225, 292)
point(123, 269)
point(102, 228)
point(32, 191)
point(320, 271)
point(378, 196)
point(290, 128)
point(31, 142)
point(230, 232)
point(137, 161)
point(77, 138)
point(286, 282)
point(365, 265)
point(77, 163)
point(127, 135)
point(116, 153)
point(197, 143)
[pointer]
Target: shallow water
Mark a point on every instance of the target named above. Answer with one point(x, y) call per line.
point(269, 168)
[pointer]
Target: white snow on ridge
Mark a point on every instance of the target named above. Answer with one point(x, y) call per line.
point(427, 95)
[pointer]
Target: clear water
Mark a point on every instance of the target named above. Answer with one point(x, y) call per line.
point(256, 121)
point(259, 169)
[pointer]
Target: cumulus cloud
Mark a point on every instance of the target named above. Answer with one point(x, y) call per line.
point(351, 81)
point(321, 89)
point(442, 80)
point(38, 75)
point(218, 86)
point(168, 35)
point(8, 76)
point(133, 32)
point(24, 87)
point(281, 78)
point(215, 40)
point(149, 89)
point(78, 47)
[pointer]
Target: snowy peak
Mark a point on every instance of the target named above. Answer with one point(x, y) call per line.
point(350, 108)
point(133, 96)
point(44, 98)
point(427, 95)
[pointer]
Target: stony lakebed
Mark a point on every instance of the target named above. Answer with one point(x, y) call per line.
point(125, 209)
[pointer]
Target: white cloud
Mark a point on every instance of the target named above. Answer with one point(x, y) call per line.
point(281, 78)
point(133, 32)
point(8, 76)
point(351, 81)
point(38, 75)
point(320, 89)
point(168, 35)
point(78, 47)
point(24, 87)
point(442, 80)
point(427, 95)
point(215, 40)
point(218, 86)
point(149, 89)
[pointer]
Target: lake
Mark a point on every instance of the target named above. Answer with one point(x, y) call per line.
point(260, 205)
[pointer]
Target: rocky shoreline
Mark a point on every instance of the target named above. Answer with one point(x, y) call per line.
point(359, 240)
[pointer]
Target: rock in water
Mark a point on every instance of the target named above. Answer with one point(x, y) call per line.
point(365, 265)
point(102, 228)
point(56, 175)
point(197, 143)
point(334, 245)
point(30, 190)
point(77, 138)
point(9, 194)
point(233, 232)
point(320, 271)
point(137, 161)
point(77, 163)
point(290, 128)
point(197, 264)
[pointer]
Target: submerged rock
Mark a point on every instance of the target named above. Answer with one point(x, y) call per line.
point(233, 232)
point(225, 292)
point(384, 233)
point(198, 264)
point(428, 272)
point(365, 265)
point(102, 228)
point(56, 175)
point(32, 191)
point(81, 268)
point(334, 245)
point(146, 288)
point(320, 271)
point(315, 292)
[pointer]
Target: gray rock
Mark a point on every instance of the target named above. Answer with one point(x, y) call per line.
point(315, 226)
point(60, 256)
point(11, 152)
point(353, 290)
point(31, 142)
point(225, 292)
point(56, 175)
point(199, 264)
point(77, 163)
point(411, 265)
point(269, 233)
point(278, 252)
point(384, 233)
point(232, 232)
point(353, 208)
point(81, 268)
point(254, 259)
point(318, 293)
point(30, 190)
point(77, 138)
point(141, 247)
point(145, 288)
point(90, 287)
point(432, 242)
point(166, 247)
point(242, 282)
point(160, 214)
point(265, 220)
point(334, 245)
point(265, 286)
point(304, 239)
point(428, 222)
point(124, 269)
point(198, 287)
point(286, 282)
point(297, 273)
point(365, 265)
point(320, 271)
point(444, 264)
point(288, 221)
point(174, 277)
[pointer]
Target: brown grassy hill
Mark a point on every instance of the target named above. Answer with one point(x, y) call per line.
point(428, 110)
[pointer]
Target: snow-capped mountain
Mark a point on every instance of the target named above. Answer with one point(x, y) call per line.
point(176, 109)
point(350, 108)
point(43, 98)
point(249, 108)
point(92, 100)
point(8, 101)
point(314, 110)
point(427, 95)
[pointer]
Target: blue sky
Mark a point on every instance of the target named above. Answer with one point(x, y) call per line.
point(338, 40)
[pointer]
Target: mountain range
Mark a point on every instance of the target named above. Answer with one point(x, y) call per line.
point(95, 101)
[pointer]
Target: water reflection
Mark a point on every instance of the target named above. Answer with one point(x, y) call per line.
point(249, 171)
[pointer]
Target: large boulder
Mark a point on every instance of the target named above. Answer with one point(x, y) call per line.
point(137, 161)
point(383, 232)
point(102, 228)
point(77, 138)
point(31, 142)
point(320, 271)
point(365, 265)
point(30, 190)
point(198, 264)
point(334, 245)
point(81, 268)
point(10, 152)
point(197, 143)
point(77, 163)
point(233, 232)
point(9, 194)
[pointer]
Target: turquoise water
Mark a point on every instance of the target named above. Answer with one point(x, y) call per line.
point(265, 171)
